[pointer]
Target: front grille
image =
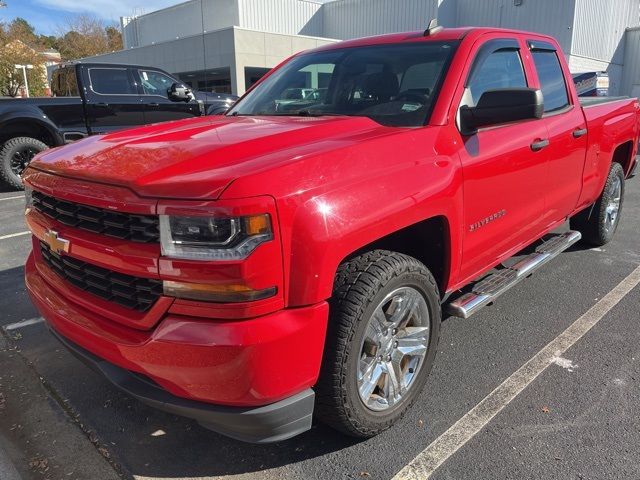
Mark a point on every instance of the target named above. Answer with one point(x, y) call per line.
point(132, 292)
point(126, 226)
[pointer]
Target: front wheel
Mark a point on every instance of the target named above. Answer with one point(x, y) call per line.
point(599, 223)
point(383, 333)
point(15, 155)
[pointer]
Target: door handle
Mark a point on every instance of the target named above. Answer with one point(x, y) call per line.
point(539, 145)
point(579, 132)
point(102, 105)
point(153, 104)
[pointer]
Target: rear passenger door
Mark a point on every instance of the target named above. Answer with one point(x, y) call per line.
point(157, 105)
point(112, 100)
point(567, 132)
point(504, 178)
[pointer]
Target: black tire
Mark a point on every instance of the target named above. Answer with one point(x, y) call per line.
point(15, 154)
point(594, 222)
point(360, 285)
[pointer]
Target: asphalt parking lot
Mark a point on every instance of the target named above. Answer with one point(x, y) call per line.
point(578, 419)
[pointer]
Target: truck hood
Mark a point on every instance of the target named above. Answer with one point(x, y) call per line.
point(199, 158)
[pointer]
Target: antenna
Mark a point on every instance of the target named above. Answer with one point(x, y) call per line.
point(433, 28)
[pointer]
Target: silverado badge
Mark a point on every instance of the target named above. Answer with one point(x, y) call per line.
point(56, 243)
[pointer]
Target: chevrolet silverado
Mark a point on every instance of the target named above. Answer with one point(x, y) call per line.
point(295, 258)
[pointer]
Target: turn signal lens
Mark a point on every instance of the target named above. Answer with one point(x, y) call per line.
point(215, 293)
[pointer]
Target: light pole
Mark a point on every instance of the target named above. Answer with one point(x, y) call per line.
point(24, 73)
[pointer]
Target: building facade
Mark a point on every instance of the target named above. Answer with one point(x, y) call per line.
point(226, 45)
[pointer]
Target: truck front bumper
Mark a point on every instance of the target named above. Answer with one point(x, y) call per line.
point(248, 379)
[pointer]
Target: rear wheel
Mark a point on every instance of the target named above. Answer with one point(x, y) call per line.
point(15, 155)
point(598, 223)
point(383, 333)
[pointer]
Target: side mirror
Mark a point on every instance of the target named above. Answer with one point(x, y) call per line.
point(179, 92)
point(501, 106)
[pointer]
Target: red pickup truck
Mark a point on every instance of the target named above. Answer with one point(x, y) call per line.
point(295, 256)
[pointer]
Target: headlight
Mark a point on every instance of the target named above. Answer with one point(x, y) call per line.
point(213, 238)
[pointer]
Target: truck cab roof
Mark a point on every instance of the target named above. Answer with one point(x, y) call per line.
point(445, 34)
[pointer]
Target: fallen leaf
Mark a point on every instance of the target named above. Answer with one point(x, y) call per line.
point(545, 410)
point(365, 474)
point(420, 423)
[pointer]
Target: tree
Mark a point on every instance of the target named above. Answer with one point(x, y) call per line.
point(20, 44)
point(85, 36)
point(20, 29)
point(114, 38)
point(12, 79)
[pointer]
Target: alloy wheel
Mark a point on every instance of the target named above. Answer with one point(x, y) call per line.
point(393, 349)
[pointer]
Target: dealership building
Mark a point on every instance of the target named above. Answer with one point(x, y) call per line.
point(226, 45)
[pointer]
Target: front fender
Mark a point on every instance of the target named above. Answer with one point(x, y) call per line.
point(339, 201)
point(30, 115)
point(331, 226)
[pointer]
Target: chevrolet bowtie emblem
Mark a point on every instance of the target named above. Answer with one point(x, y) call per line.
point(56, 243)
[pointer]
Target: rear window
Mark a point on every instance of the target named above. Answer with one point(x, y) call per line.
point(64, 82)
point(111, 81)
point(554, 89)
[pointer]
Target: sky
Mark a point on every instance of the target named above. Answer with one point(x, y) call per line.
point(49, 15)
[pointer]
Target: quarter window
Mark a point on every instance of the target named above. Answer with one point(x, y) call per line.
point(554, 90)
point(111, 81)
point(64, 83)
point(501, 69)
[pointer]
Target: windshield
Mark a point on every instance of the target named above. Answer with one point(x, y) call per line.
point(395, 85)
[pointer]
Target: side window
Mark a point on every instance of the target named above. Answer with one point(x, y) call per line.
point(155, 83)
point(554, 90)
point(111, 81)
point(501, 69)
point(64, 82)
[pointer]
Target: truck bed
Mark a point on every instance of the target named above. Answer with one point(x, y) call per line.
point(591, 101)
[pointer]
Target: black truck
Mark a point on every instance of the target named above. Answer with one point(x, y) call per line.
point(92, 99)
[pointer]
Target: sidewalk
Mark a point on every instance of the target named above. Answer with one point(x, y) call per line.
point(43, 440)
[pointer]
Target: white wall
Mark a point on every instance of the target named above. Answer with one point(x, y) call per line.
point(360, 18)
point(631, 71)
point(182, 20)
point(599, 28)
point(265, 50)
point(550, 17)
point(290, 17)
point(183, 55)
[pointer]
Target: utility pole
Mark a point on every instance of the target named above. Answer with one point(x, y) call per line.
point(24, 73)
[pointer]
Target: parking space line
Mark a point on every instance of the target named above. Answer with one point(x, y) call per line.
point(23, 323)
point(12, 235)
point(11, 198)
point(447, 444)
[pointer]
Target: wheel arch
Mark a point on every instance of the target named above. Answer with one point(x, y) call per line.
point(427, 241)
point(29, 126)
point(623, 154)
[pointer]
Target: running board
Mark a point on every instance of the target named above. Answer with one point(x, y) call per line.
point(491, 287)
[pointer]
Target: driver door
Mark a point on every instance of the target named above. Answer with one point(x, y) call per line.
point(504, 177)
point(157, 105)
